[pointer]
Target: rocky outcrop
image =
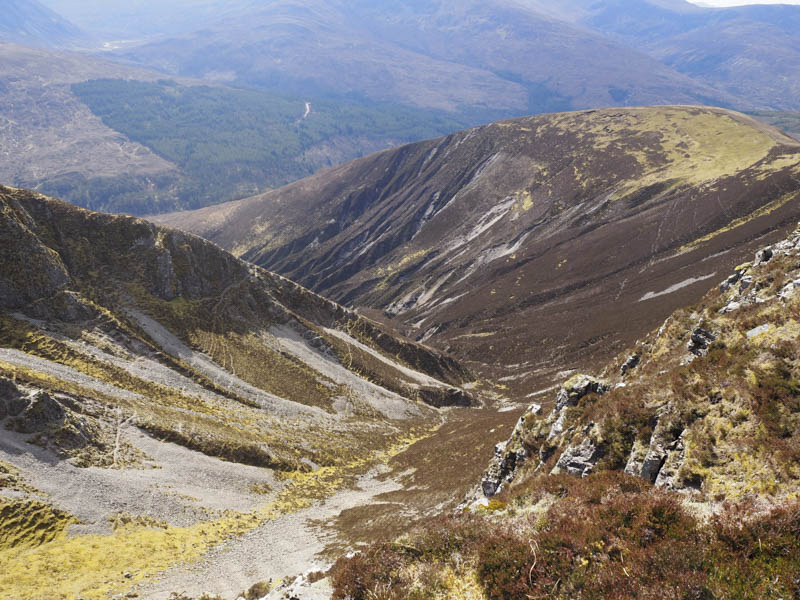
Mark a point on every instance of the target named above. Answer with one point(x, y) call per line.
point(579, 460)
point(699, 341)
point(12, 400)
point(41, 413)
point(508, 457)
point(576, 388)
point(648, 462)
point(530, 431)
point(630, 364)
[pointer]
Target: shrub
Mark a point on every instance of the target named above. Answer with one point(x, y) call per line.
point(504, 567)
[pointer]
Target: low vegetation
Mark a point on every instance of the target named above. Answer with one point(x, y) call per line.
point(607, 536)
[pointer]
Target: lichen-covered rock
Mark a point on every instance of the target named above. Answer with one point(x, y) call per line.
point(576, 388)
point(630, 364)
point(673, 461)
point(42, 413)
point(508, 456)
point(579, 460)
point(502, 468)
point(699, 341)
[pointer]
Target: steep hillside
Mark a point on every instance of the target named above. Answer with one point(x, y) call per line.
point(674, 475)
point(30, 22)
point(788, 121)
point(135, 359)
point(466, 57)
point(529, 246)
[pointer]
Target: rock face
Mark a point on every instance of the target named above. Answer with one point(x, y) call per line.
point(699, 341)
point(576, 388)
point(529, 433)
point(508, 457)
point(579, 460)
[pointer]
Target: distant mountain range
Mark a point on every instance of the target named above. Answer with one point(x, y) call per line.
point(533, 245)
point(462, 56)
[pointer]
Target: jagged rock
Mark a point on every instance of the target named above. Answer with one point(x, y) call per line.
point(42, 413)
point(12, 401)
point(648, 462)
point(763, 256)
point(508, 456)
point(569, 395)
point(744, 283)
point(630, 364)
point(668, 474)
point(558, 426)
point(699, 341)
point(636, 459)
point(579, 460)
point(502, 468)
point(730, 307)
point(734, 278)
point(578, 387)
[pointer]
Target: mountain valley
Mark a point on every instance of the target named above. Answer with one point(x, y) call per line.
point(399, 300)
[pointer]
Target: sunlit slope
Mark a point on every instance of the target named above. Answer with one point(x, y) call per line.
point(159, 396)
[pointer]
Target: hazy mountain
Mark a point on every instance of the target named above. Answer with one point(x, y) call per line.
point(114, 137)
point(30, 22)
point(139, 19)
point(749, 51)
point(51, 139)
point(534, 245)
point(464, 56)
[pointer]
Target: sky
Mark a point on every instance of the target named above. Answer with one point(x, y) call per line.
point(740, 2)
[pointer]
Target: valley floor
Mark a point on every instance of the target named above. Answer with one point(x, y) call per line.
point(275, 527)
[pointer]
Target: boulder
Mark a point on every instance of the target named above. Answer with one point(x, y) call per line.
point(43, 412)
point(12, 401)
